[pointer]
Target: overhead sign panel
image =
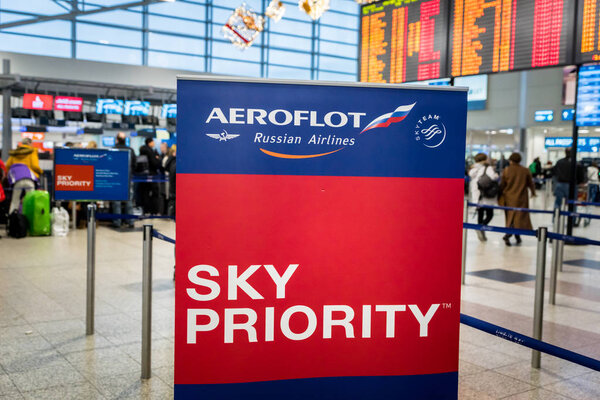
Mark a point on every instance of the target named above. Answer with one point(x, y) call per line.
point(136, 107)
point(588, 32)
point(91, 174)
point(495, 36)
point(403, 41)
point(109, 106)
point(269, 296)
point(34, 101)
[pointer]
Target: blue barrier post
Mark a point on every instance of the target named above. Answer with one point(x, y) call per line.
point(554, 263)
point(464, 243)
point(538, 309)
point(147, 302)
point(91, 269)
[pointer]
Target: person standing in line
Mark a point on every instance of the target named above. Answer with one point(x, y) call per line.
point(149, 190)
point(515, 181)
point(562, 175)
point(23, 171)
point(121, 143)
point(501, 164)
point(478, 170)
point(171, 171)
point(593, 183)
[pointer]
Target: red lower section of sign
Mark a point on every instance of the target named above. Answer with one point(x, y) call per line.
point(357, 241)
point(74, 177)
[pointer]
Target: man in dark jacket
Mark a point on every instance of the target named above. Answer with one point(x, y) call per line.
point(116, 205)
point(562, 176)
point(149, 191)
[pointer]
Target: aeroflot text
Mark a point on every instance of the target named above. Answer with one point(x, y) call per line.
point(241, 323)
point(249, 116)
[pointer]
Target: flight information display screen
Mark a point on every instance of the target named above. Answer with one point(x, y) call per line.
point(499, 35)
point(403, 40)
point(588, 96)
point(588, 32)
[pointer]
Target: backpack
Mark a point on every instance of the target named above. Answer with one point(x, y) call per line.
point(142, 166)
point(17, 225)
point(20, 171)
point(488, 187)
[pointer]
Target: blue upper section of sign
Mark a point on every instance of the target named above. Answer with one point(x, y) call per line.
point(261, 127)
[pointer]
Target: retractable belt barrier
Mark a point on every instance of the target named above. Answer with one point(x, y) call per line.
point(579, 215)
point(531, 210)
point(160, 236)
point(530, 342)
point(109, 216)
point(583, 203)
point(149, 178)
point(509, 231)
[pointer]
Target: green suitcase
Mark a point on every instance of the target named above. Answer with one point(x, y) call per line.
point(36, 207)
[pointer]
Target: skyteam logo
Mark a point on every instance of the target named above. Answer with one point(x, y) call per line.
point(386, 120)
point(430, 131)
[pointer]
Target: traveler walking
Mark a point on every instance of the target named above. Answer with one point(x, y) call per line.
point(120, 143)
point(483, 189)
point(149, 191)
point(23, 171)
point(515, 181)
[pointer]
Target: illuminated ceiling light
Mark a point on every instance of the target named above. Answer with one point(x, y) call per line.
point(243, 27)
point(275, 10)
point(314, 8)
point(103, 41)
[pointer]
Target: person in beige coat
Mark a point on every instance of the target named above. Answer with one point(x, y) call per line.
point(514, 183)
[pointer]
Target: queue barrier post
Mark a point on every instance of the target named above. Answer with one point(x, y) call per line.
point(464, 242)
point(538, 313)
point(562, 229)
point(554, 263)
point(74, 215)
point(147, 303)
point(91, 268)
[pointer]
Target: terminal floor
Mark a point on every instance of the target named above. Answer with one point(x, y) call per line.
point(44, 353)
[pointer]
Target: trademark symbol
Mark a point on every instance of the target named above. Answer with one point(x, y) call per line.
point(446, 305)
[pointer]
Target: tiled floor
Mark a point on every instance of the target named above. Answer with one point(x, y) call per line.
point(44, 353)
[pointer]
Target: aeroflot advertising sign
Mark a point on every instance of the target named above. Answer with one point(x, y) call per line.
point(318, 240)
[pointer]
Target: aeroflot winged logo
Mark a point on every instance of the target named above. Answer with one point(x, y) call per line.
point(281, 117)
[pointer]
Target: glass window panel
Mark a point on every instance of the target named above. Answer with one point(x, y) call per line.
point(337, 49)
point(288, 73)
point(176, 25)
point(104, 35)
point(175, 61)
point(337, 64)
point(289, 58)
point(332, 76)
point(348, 6)
point(284, 41)
point(256, 5)
point(229, 67)
point(55, 29)
point(228, 50)
point(179, 9)
point(35, 45)
point(44, 7)
point(221, 15)
point(293, 11)
point(118, 17)
point(293, 27)
point(174, 43)
point(340, 35)
point(112, 54)
point(6, 17)
point(343, 20)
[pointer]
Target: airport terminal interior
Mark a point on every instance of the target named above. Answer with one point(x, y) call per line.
point(88, 275)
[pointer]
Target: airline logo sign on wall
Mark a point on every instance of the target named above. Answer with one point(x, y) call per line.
point(67, 103)
point(304, 262)
point(33, 101)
